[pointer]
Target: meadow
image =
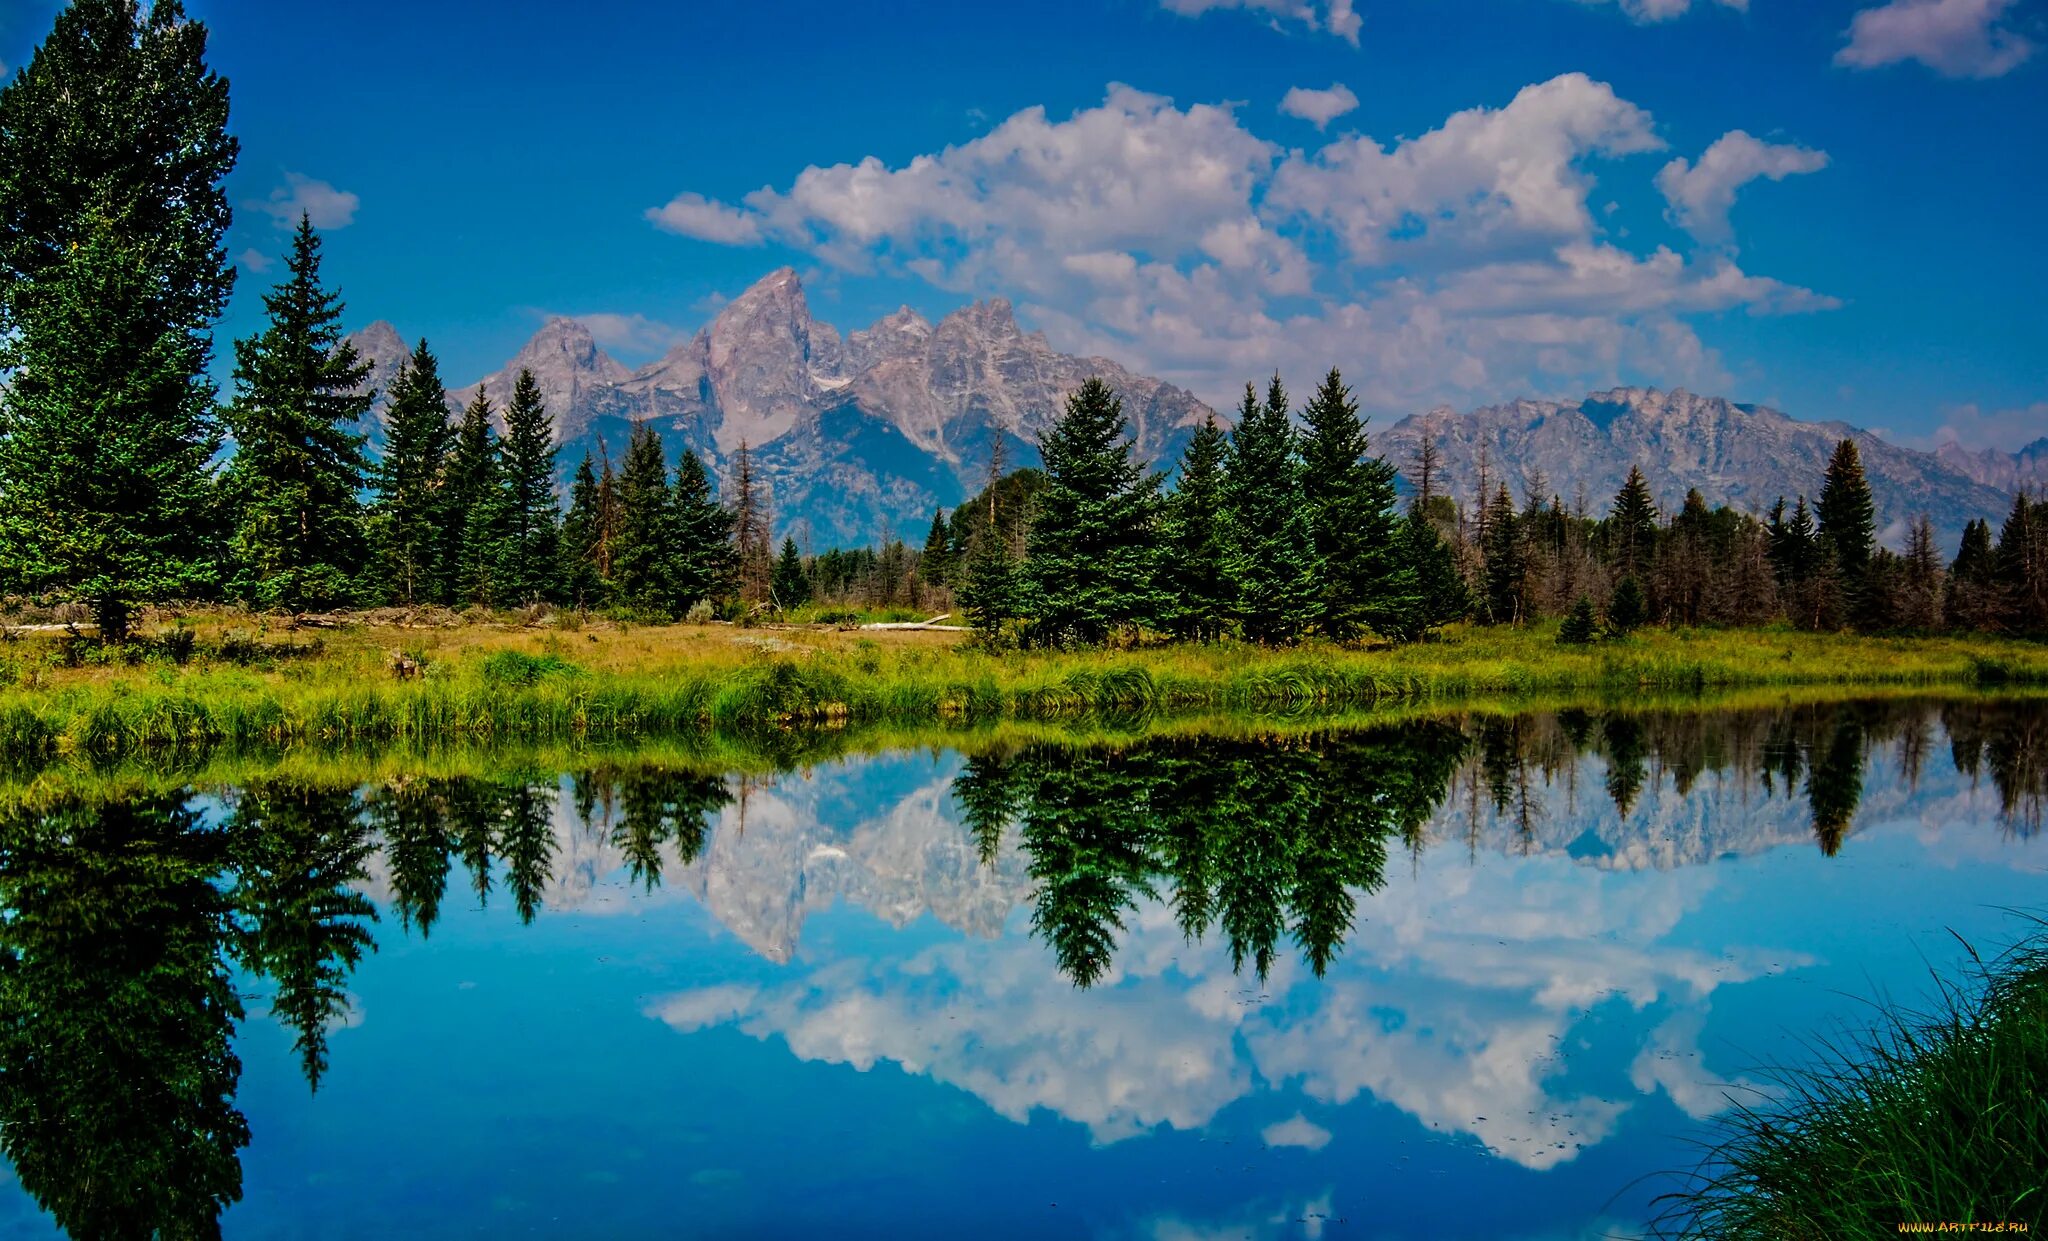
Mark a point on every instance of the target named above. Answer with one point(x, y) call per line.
point(222, 678)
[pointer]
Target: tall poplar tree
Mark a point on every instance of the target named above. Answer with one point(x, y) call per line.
point(1274, 557)
point(1195, 559)
point(1363, 582)
point(473, 509)
point(113, 150)
point(292, 488)
point(529, 549)
point(405, 519)
point(1093, 548)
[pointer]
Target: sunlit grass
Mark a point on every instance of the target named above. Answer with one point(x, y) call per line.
point(241, 686)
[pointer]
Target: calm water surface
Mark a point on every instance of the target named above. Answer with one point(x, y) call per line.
point(1455, 978)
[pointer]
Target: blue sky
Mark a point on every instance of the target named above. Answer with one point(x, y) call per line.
point(1470, 200)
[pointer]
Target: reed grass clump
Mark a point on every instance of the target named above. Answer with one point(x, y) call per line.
point(1935, 1117)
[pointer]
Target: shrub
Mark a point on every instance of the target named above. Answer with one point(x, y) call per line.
point(519, 668)
point(1580, 626)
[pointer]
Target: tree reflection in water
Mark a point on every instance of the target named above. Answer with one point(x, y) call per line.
point(124, 917)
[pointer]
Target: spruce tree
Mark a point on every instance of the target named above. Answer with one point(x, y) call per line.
point(1973, 601)
point(750, 527)
point(1093, 551)
point(643, 558)
point(1632, 525)
point(1579, 626)
point(705, 564)
point(989, 585)
point(1507, 565)
point(113, 150)
point(1194, 561)
point(116, 122)
point(1847, 520)
point(1274, 557)
point(529, 548)
point(472, 510)
point(1363, 580)
point(292, 488)
point(405, 519)
point(935, 563)
point(1441, 595)
point(105, 436)
point(1628, 609)
point(2022, 565)
point(790, 587)
point(582, 583)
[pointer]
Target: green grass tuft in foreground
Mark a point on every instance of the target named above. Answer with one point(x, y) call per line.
point(1936, 1117)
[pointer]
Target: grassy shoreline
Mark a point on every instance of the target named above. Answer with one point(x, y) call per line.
point(240, 686)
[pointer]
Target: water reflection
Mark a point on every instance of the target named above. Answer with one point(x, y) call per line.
point(1195, 897)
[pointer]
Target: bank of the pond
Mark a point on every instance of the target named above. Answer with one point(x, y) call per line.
point(212, 683)
point(1936, 1122)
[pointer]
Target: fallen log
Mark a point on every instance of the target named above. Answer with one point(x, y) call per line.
point(932, 624)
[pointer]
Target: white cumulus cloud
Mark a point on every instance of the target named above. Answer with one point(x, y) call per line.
point(1955, 38)
point(1460, 264)
point(1336, 17)
point(1297, 1130)
point(1701, 194)
point(326, 206)
point(1318, 107)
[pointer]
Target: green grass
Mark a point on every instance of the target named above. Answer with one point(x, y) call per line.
point(498, 682)
point(1940, 1116)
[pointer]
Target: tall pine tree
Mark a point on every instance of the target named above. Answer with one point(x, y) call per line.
point(582, 530)
point(705, 562)
point(1093, 550)
point(113, 150)
point(473, 510)
point(292, 488)
point(1847, 520)
point(1632, 526)
point(405, 519)
point(529, 549)
point(105, 436)
point(791, 587)
point(1363, 580)
point(1195, 559)
point(1273, 561)
point(643, 556)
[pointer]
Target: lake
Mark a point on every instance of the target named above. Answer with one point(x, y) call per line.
point(1452, 976)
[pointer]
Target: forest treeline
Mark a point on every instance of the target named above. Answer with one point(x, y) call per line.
point(117, 490)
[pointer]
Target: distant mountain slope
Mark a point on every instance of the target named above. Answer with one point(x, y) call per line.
point(1743, 455)
point(2008, 471)
point(859, 437)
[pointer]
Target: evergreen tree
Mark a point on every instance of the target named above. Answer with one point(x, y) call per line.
point(1632, 525)
point(705, 564)
point(117, 123)
point(791, 588)
point(582, 529)
point(292, 488)
point(1847, 521)
point(406, 517)
point(988, 584)
point(1507, 565)
point(935, 563)
point(529, 550)
point(1093, 558)
point(2022, 565)
point(1918, 598)
point(473, 510)
point(105, 436)
point(1973, 601)
point(1441, 593)
point(1628, 609)
point(1274, 558)
point(1363, 581)
point(1579, 626)
point(643, 558)
point(1194, 560)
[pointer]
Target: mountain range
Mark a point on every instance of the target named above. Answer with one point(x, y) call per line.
point(859, 437)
